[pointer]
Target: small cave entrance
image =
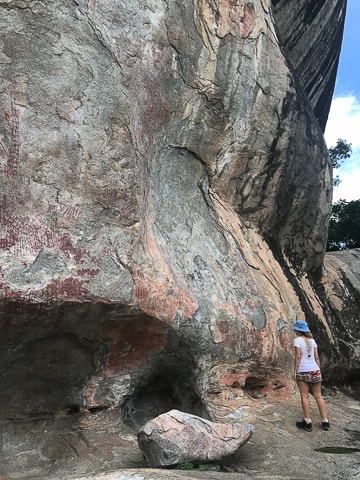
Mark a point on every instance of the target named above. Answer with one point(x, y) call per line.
point(256, 386)
point(166, 390)
point(352, 384)
point(260, 386)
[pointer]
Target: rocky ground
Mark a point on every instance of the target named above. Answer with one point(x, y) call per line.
point(82, 445)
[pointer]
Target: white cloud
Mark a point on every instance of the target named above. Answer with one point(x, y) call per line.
point(349, 188)
point(344, 122)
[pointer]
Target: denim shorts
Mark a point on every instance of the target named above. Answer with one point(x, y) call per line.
point(309, 377)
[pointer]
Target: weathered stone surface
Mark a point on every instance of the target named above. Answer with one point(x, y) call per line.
point(164, 196)
point(176, 437)
point(146, 153)
point(94, 446)
point(305, 29)
point(341, 294)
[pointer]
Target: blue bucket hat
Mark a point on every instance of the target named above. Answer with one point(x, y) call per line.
point(301, 326)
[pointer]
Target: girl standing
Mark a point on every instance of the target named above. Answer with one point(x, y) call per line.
point(307, 374)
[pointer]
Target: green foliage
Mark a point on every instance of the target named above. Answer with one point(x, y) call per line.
point(185, 466)
point(344, 226)
point(191, 466)
point(338, 154)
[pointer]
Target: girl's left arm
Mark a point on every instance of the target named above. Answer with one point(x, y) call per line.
point(316, 356)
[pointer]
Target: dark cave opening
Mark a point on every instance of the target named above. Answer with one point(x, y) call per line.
point(256, 386)
point(165, 390)
point(352, 384)
point(259, 386)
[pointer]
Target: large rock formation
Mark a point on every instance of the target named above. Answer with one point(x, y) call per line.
point(165, 193)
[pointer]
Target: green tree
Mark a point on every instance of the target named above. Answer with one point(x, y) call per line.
point(344, 226)
point(338, 154)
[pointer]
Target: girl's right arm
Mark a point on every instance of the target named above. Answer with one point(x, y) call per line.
point(297, 360)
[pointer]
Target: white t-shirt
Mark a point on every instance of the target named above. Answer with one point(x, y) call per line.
point(307, 359)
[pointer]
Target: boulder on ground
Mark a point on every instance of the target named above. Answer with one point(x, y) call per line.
point(176, 437)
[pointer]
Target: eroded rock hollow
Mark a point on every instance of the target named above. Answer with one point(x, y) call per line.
point(165, 194)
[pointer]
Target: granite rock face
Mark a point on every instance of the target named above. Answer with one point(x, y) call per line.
point(176, 437)
point(165, 192)
point(341, 295)
point(305, 29)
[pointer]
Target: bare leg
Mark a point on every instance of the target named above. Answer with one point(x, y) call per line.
point(304, 393)
point(316, 390)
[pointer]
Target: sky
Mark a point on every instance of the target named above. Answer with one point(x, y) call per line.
point(344, 116)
